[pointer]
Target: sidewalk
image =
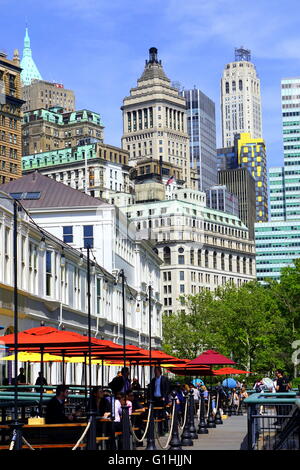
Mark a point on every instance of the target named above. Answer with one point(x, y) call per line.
point(227, 436)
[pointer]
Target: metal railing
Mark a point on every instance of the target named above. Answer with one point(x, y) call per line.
point(273, 421)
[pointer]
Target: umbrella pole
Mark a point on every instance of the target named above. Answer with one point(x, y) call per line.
point(102, 373)
point(41, 384)
point(63, 367)
point(85, 380)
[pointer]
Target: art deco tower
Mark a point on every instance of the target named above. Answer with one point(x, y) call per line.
point(155, 127)
point(240, 99)
point(30, 71)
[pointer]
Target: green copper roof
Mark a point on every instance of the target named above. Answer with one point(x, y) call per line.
point(59, 157)
point(30, 70)
point(53, 115)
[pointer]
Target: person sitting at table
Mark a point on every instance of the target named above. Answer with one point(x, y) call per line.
point(99, 402)
point(55, 411)
point(40, 381)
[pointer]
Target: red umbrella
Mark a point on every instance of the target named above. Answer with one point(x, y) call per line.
point(211, 358)
point(230, 370)
point(198, 371)
point(50, 339)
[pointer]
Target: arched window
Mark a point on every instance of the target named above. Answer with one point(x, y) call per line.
point(227, 87)
point(238, 264)
point(167, 255)
point(250, 266)
point(233, 86)
point(240, 85)
point(215, 260)
point(199, 257)
point(230, 262)
point(192, 256)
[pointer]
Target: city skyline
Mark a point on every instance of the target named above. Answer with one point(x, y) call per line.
point(92, 50)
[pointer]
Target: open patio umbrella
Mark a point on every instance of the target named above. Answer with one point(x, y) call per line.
point(230, 371)
point(211, 358)
point(32, 357)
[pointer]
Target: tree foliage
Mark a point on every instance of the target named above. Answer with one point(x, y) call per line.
point(254, 324)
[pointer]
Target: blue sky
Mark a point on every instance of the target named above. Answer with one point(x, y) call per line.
point(98, 48)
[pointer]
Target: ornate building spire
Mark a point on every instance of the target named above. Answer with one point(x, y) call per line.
point(30, 70)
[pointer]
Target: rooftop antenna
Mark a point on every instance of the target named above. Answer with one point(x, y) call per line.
point(242, 54)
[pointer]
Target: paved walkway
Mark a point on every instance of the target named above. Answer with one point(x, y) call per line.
point(226, 436)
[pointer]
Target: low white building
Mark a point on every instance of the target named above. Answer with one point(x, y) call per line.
point(79, 220)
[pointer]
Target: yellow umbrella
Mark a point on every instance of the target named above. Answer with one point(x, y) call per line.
point(32, 357)
point(81, 360)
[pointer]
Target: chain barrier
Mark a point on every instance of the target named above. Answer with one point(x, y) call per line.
point(83, 435)
point(171, 430)
point(147, 426)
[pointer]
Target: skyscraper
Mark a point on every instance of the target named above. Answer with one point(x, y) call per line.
point(278, 241)
point(30, 71)
point(10, 118)
point(155, 128)
point(240, 98)
point(248, 153)
point(201, 126)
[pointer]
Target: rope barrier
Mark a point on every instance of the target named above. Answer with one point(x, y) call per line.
point(83, 435)
point(27, 443)
point(147, 426)
point(171, 430)
point(181, 428)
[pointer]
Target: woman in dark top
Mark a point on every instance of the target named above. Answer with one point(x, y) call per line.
point(99, 403)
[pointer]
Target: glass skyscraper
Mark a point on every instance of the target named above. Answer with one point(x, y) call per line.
point(201, 127)
point(278, 241)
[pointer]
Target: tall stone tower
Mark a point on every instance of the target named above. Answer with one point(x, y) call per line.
point(155, 129)
point(240, 99)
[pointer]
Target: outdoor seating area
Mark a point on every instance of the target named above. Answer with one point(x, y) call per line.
point(125, 418)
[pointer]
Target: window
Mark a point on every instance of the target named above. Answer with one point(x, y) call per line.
point(180, 259)
point(68, 234)
point(215, 260)
point(181, 288)
point(230, 262)
point(206, 258)
point(167, 255)
point(192, 256)
point(98, 294)
point(181, 275)
point(88, 236)
point(48, 272)
point(199, 257)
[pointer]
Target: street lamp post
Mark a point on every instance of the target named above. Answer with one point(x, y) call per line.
point(150, 333)
point(16, 426)
point(89, 323)
point(124, 315)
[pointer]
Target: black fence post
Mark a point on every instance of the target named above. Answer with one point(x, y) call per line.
point(125, 428)
point(191, 416)
point(210, 419)
point(186, 439)
point(92, 432)
point(150, 434)
point(175, 443)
